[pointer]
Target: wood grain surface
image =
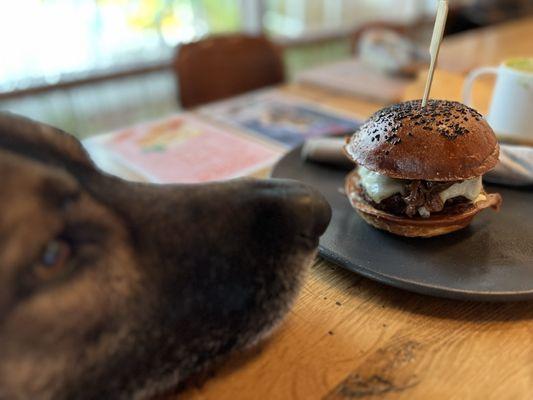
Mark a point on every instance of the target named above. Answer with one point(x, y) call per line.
point(350, 338)
point(449, 85)
point(488, 46)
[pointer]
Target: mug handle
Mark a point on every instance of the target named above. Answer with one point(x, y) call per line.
point(469, 82)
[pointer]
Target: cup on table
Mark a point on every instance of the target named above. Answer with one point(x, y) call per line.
point(511, 110)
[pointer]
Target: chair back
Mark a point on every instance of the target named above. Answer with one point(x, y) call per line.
point(224, 66)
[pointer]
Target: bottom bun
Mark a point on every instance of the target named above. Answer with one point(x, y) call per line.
point(435, 225)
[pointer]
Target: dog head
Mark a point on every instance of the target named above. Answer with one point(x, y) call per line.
point(112, 289)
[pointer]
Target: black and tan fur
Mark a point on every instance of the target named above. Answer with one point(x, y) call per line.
point(161, 281)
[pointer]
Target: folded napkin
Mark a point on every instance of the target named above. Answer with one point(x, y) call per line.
point(514, 169)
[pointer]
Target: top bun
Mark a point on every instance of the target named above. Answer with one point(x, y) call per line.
point(444, 141)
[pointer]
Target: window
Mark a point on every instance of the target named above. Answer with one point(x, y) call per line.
point(295, 18)
point(42, 40)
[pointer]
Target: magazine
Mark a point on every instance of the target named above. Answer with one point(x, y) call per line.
point(279, 117)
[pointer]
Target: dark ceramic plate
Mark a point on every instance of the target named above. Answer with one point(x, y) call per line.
point(492, 260)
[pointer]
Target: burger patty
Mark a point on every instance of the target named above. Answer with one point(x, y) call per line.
point(419, 194)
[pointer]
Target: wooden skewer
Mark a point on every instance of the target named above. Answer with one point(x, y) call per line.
point(436, 39)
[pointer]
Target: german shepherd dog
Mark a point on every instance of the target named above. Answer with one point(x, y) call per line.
point(118, 290)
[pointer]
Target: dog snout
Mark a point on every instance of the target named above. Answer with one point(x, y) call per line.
point(307, 209)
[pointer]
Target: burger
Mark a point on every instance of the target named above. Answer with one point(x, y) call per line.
point(419, 169)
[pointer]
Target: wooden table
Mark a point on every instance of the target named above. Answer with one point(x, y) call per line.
point(488, 46)
point(350, 338)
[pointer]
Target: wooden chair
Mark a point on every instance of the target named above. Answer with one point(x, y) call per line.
point(224, 66)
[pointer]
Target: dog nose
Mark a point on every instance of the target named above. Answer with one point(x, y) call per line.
point(306, 207)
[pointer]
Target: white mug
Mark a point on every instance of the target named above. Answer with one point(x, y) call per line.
point(511, 110)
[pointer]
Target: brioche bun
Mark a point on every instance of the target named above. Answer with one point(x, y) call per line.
point(444, 141)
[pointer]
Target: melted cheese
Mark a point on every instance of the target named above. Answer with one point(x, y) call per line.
point(481, 197)
point(379, 187)
point(470, 188)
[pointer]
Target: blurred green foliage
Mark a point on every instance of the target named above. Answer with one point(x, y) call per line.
point(219, 15)
point(222, 15)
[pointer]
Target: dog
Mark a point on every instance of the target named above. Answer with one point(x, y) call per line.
point(116, 290)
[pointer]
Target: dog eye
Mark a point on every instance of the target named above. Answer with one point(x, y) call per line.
point(54, 260)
